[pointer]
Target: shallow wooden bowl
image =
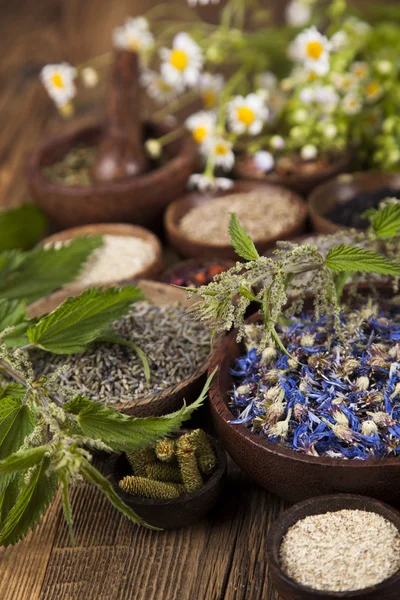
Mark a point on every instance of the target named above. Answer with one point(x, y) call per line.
point(140, 200)
point(302, 184)
point(342, 190)
point(171, 398)
point(208, 250)
point(289, 589)
point(289, 474)
point(152, 271)
point(178, 512)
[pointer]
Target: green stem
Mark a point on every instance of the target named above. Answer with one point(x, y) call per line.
point(171, 136)
point(174, 106)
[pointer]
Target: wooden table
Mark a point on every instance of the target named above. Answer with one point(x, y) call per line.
point(223, 556)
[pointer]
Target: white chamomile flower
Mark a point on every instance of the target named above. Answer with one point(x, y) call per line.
point(183, 62)
point(202, 125)
point(134, 35)
point(205, 183)
point(373, 91)
point(193, 3)
point(247, 114)
point(344, 82)
point(210, 88)
point(330, 131)
point(360, 70)
point(313, 48)
point(267, 80)
point(307, 95)
point(351, 104)
point(277, 142)
point(59, 82)
point(327, 96)
point(309, 152)
point(297, 13)
point(339, 40)
point(90, 77)
point(316, 69)
point(263, 161)
point(157, 88)
point(221, 151)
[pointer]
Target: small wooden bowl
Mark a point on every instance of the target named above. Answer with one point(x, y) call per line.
point(140, 200)
point(302, 184)
point(152, 271)
point(342, 190)
point(180, 269)
point(171, 398)
point(289, 589)
point(207, 250)
point(284, 472)
point(178, 512)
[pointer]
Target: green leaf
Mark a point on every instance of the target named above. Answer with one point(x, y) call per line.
point(32, 502)
point(8, 497)
point(67, 504)
point(31, 275)
point(21, 227)
point(123, 432)
point(78, 321)
point(76, 405)
point(16, 422)
point(386, 222)
point(13, 314)
point(15, 390)
point(241, 240)
point(353, 259)
point(22, 460)
point(112, 337)
point(93, 476)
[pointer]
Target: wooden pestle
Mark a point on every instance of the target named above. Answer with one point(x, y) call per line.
point(121, 151)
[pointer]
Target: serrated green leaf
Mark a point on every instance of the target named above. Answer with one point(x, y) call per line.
point(80, 320)
point(386, 222)
point(123, 432)
point(76, 405)
point(21, 227)
point(241, 240)
point(32, 502)
point(13, 314)
point(16, 422)
point(64, 484)
point(34, 274)
point(93, 476)
point(8, 497)
point(22, 460)
point(359, 260)
point(14, 390)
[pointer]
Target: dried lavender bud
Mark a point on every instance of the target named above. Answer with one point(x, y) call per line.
point(146, 488)
point(190, 472)
point(205, 453)
point(164, 472)
point(165, 450)
point(139, 460)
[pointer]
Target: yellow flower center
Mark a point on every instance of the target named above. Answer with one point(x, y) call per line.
point(221, 149)
point(209, 98)
point(373, 88)
point(360, 72)
point(133, 44)
point(179, 60)
point(57, 80)
point(199, 134)
point(314, 50)
point(312, 76)
point(245, 115)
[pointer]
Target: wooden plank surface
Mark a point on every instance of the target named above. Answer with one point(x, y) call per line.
point(223, 556)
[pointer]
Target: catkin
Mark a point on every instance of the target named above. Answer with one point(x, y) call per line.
point(205, 453)
point(148, 488)
point(165, 450)
point(139, 460)
point(190, 472)
point(164, 472)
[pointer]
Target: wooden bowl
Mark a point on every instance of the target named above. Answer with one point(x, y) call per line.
point(171, 398)
point(302, 184)
point(289, 474)
point(178, 512)
point(180, 269)
point(289, 589)
point(207, 250)
point(152, 271)
point(140, 200)
point(342, 190)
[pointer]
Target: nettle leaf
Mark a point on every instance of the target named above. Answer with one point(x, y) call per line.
point(241, 240)
point(13, 314)
point(386, 222)
point(16, 422)
point(8, 497)
point(22, 460)
point(34, 274)
point(78, 321)
point(15, 390)
point(33, 500)
point(93, 476)
point(123, 432)
point(21, 227)
point(352, 259)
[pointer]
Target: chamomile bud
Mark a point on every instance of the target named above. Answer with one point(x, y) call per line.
point(309, 152)
point(384, 67)
point(300, 115)
point(277, 142)
point(263, 161)
point(153, 148)
point(330, 131)
point(90, 77)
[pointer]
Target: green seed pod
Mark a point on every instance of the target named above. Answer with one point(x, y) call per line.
point(147, 488)
point(164, 472)
point(139, 461)
point(165, 450)
point(190, 472)
point(204, 450)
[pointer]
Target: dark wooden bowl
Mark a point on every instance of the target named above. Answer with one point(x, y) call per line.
point(207, 250)
point(289, 589)
point(152, 271)
point(181, 268)
point(342, 190)
point(178, 512)
point(289, 474)
point(140, 200)
point(302, 184)
point(171, 398)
